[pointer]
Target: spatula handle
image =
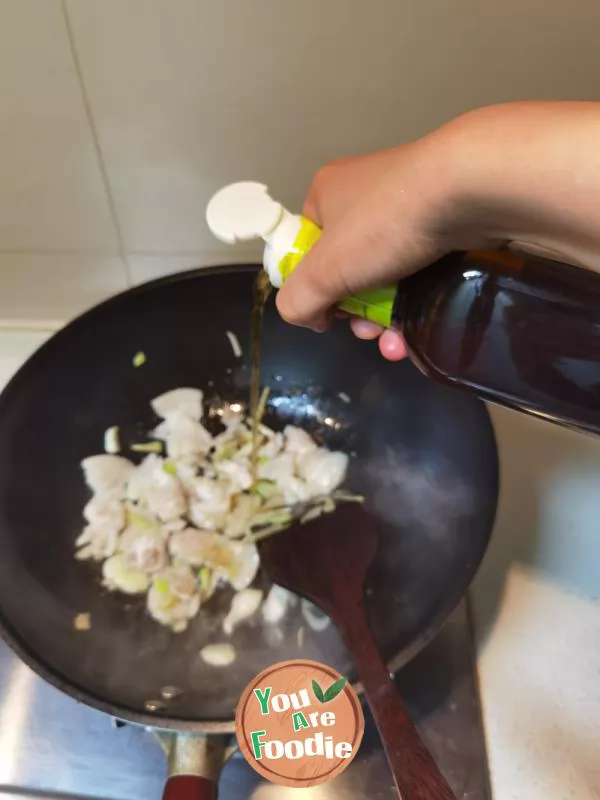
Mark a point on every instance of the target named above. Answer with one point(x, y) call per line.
point(415, 772)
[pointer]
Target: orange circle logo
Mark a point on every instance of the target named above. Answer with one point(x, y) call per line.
point(299, 723)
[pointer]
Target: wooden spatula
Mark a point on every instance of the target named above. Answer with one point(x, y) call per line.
point(326, 560)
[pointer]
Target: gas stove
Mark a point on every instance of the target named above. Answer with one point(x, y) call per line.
point(50, 745)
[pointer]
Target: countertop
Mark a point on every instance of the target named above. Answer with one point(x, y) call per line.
point(536, 603)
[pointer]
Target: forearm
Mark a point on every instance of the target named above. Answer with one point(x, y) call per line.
point(530, 173)
point(522, 173)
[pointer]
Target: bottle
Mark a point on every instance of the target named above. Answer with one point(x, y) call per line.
point(517, 330)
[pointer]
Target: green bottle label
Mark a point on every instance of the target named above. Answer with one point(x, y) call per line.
point(376, 305)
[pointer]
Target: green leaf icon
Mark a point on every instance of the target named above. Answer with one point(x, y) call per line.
point(335, 689)
point(318, 692)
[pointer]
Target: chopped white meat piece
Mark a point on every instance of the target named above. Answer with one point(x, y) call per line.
point(279, 469)
point(105, 509)
point(238, 473)
point(165, 496)
point(204, 518)
point(117, 575)
point(298, 441)
point(107, 474)
point(234, 562)
point(187, 471)
point(278, 601)
point(173, 525)
point(196, 547)
point(238, 521)
point(323, 470)
point(247, 563)
point(295, 491)
point(272, 446)
point(97, 542)
point(173, 598)
point(184, 437)
point(243, 606)
point(159, 490)
point(209, 502)
point(207, 583)
point(183, 401)
point(137, 517)
point(214, 494)
point(144, 550)
point(218, 655)
point(182, 581)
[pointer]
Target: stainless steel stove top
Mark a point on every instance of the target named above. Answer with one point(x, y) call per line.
point(50, 745)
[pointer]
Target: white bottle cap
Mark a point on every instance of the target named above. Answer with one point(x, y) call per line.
point(243, 211)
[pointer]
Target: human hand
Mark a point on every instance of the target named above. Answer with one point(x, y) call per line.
point(475, 183)
point(383, 215)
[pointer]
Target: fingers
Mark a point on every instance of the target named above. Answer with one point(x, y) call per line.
point(313, 289)
point(363, 329)
point(391, 343)
point(392, 346)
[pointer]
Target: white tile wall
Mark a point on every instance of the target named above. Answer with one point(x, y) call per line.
point(51, 192)
point(119, 118)
point(58, 285)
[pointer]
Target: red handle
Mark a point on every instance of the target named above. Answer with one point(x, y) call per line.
point(190, 787)
point(195, 764)
point(416, 774)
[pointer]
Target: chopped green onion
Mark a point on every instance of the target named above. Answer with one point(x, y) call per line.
point(328, 505)
point(270, 530)
point(137, 520)
point(112, 442)
point(348, 497)
point(273, 516)
point(139, 359)
point(170, 468)
point(147, 447)
point(264, 489)
point(312, 513)
point(161, 586)
point(204, 576)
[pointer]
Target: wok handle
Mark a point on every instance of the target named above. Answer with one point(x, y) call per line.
point(416, 774)
point(195, 763)
point(190, 787)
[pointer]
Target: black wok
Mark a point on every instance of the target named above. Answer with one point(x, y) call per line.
point(424, 456)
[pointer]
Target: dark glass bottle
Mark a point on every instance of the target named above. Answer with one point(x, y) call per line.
point(517, 330)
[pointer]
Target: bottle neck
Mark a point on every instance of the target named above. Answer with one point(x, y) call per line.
point(279, 243)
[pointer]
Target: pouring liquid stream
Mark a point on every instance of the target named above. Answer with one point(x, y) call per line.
point(262, 290)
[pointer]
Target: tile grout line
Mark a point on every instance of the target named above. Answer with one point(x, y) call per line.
point(96, 143)
point(58, 251)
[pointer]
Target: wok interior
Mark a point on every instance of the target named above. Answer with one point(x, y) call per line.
point(423, 456)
